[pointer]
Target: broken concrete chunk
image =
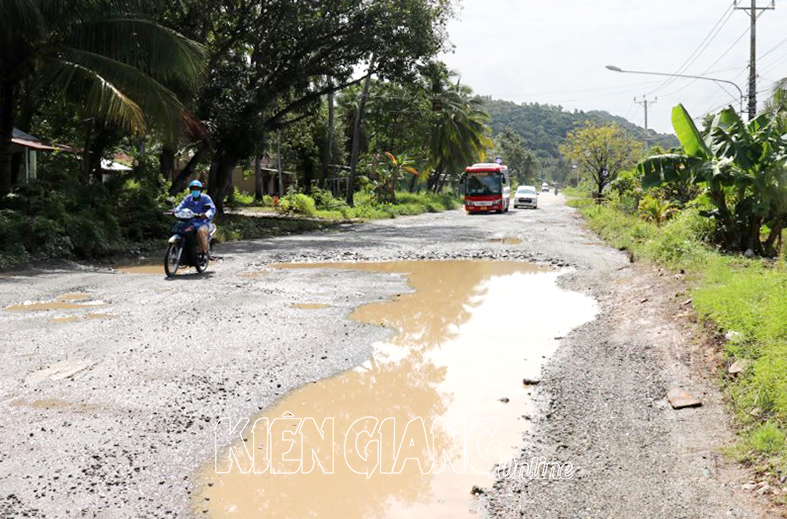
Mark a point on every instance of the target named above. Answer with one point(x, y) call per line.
point(681, 399)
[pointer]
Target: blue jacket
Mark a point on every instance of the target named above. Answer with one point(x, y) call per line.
point(197, 205)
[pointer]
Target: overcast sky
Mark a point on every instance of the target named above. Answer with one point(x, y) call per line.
point(555, 52)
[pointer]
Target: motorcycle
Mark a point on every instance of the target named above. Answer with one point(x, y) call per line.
point(182, 248)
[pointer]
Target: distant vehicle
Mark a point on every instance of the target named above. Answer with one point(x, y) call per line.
point(487, 188)
point(526, 196)
point(545, 186)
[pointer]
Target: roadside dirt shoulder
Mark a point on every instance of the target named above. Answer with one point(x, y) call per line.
point(604, 409)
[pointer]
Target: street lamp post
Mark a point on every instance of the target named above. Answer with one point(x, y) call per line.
point(613, 68)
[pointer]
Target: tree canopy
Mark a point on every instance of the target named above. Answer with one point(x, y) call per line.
point(602, 152)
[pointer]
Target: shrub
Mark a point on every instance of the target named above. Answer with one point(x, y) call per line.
point(325, 200)
point(298, 203)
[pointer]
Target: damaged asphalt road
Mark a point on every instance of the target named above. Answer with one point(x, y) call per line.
point(109, 405)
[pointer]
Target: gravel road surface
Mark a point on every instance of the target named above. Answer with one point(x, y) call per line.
point(109, 400)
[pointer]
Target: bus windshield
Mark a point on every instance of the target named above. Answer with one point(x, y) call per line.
point(483, 185)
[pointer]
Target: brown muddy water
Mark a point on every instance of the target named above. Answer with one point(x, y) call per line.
point(464, 340)
point(507, 241)
point(311, 306)
point(70, 301)
point(149, 268)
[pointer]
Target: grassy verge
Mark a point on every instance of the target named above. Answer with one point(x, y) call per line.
point(745, 299)
point(236, 227)
point(324, 206)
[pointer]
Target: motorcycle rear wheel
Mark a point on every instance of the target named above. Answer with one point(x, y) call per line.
point(172, 259)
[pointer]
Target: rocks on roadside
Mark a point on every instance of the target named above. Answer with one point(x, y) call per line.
point(531, 381)
point(477, 491)
point(738, 367)
point(679, 398)
point(504, 400)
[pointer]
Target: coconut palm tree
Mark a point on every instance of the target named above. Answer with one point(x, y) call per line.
point(459, 134)
point(105, 55)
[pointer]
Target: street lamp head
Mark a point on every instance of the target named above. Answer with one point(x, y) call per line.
point(613, 68)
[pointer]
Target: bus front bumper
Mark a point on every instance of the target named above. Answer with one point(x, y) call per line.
point(483, 207)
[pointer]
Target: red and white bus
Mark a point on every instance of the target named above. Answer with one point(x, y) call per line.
point(487, 188)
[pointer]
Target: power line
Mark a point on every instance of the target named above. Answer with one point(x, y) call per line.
point(729, 49)
point(714, 32)
point(774, 48)
point(631, 106)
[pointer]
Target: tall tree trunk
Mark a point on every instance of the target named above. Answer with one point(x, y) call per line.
point(219, 177)
point(102, 138)
point(434, 178)
point(179, 182)
point(308, 175)
point(259, 181)
point(328, 152)
point(8, 90)
point(278, 164)
point(166, 160)
point(412, 183)
point(87, 152)
point(24, 122)
point(357, 135)
point(770, 242)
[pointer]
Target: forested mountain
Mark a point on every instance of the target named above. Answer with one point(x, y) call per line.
point(542, 127)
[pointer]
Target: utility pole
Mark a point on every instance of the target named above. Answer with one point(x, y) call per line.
point(646, 104)
point(753, 13)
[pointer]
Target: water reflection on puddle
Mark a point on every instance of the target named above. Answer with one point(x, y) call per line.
point(459, 355)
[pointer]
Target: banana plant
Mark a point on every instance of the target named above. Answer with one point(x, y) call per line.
point(743, 169)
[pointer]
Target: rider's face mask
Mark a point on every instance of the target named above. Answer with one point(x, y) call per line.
point(195, 193)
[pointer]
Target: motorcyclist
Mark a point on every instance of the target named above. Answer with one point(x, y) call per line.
point(203, 207)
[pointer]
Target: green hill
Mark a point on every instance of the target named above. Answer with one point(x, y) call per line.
point(543, 127)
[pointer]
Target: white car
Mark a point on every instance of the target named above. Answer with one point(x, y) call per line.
point(526, 196)
point(545, 187)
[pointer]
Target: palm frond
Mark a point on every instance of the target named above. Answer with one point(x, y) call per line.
point(157, 51)
point(95, 93)
point(20, 18)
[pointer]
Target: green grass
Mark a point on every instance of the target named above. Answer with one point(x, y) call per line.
point(323, 205)
point(745, 296)
point(236, 227)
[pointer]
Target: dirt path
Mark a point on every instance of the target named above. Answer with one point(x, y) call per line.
point(110, 403)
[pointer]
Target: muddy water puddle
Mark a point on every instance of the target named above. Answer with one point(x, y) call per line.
point(310, 306)
point(507, 241)
point(148, 268)
point(70, 301)
point(411, 431)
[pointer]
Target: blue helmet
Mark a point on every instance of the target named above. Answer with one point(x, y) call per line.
point(195, 184)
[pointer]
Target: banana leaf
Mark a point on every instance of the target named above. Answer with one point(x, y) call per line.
point(688, 134)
